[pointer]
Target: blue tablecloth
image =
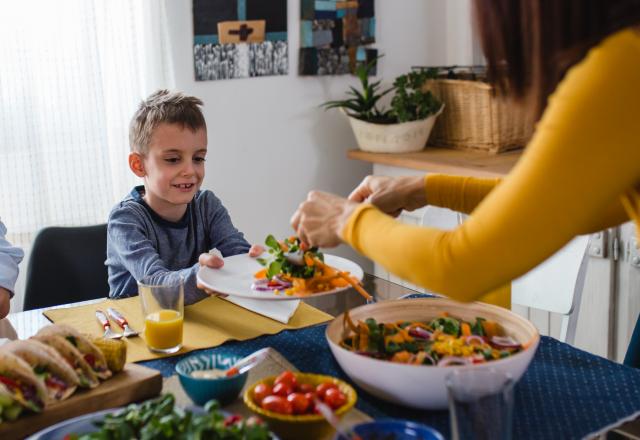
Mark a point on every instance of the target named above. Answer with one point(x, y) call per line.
point(566, 393)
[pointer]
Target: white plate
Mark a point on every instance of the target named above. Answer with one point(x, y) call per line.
point(236, 277)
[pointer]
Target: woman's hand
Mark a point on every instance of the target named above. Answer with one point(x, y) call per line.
point(215, 261)
point(320, 219)
point(391, 195)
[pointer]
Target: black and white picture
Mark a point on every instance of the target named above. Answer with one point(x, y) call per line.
point(240, 38)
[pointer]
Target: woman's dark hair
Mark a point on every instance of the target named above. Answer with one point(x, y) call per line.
point(530, 44)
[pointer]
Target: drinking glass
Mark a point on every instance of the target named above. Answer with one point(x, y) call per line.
point(480, 404)
point(162, 298)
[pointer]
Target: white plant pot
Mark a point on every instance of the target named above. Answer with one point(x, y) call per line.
point(393, 138)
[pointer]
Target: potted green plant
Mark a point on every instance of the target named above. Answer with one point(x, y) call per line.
point(405, 126)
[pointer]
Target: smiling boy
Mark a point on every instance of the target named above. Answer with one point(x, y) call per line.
point(164, 226)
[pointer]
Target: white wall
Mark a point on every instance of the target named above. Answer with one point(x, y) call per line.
point(270, 143)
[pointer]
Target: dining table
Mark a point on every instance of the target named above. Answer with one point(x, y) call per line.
point(566, 393)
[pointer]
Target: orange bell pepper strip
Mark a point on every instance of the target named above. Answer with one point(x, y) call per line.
point(490, 328)
point(465, 329)
point(350, 324)
point(401, 356)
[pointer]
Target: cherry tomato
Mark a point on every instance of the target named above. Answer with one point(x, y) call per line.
point(282, 389)
point(312, 405)
point(305, 388)
point(299, 402)
point(335, 398)
point(277, 404)
point(323, 388)
point(287, 377)
point(261, 391)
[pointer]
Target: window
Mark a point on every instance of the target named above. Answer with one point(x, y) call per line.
point(71, 75)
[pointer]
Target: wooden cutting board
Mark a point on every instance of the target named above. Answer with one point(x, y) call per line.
point(132, 384)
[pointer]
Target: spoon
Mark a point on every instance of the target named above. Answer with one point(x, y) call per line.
point(247, 363)
point(326, 412)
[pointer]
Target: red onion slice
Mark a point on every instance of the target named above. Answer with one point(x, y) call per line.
point(431, 359)
point(474, 340)
point(266, 285)
point(421, 333)
point(504, 342)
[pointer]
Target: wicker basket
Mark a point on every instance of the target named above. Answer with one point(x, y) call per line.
point(475, 119)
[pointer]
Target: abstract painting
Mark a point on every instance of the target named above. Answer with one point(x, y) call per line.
point(335, 35)
point(240, 38)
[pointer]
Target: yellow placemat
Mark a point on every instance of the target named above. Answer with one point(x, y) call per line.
point(207, 323)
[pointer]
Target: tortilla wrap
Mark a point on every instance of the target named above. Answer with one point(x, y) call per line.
point(18, 378)
point(89, 351)
point(58, 377)
point(86, 377)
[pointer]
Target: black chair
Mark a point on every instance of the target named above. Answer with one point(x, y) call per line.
point(67, 265)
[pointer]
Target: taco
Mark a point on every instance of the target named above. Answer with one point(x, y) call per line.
point(58, 377)
point(19, 380)
point(86, 377)
point(10, 408)
point(89, 351)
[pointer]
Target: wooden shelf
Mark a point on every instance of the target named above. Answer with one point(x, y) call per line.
point(445, 160)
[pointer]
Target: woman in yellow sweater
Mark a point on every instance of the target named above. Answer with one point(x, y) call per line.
point(580, 172)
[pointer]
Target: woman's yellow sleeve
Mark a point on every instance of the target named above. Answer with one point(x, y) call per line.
point(458, 193)
point(584, 155)
point(464, 194)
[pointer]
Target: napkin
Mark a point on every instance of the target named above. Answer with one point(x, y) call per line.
point(280, 311)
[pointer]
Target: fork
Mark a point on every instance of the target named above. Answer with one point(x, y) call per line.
point(122, 322)
point(104, 321)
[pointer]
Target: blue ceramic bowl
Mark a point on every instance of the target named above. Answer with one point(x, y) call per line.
point(223, 389)
point(394, 429)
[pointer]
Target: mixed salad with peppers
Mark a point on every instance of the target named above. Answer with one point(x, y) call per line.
point(443, 341)
point(294, 269)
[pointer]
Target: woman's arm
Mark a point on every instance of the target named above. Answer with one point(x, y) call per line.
point(458, 193)
point(391, 195)
point(584, 155)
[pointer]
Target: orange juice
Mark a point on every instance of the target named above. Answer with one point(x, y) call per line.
point(163, 329)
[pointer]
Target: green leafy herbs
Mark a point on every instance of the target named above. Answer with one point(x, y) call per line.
point(279, 263)
point(363, 104)
point(409, 103)
point(450, 326)
point(160, 419)
point(477, 328)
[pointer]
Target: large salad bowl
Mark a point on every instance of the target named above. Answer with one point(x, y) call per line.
point(423, 386)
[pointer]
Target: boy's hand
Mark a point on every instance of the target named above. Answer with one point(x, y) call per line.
point(256, 250)
point(215, 261)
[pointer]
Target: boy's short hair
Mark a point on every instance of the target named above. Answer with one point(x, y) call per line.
point(163, 106)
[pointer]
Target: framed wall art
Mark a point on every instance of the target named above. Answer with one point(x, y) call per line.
point(335, 36)
point(240, 38)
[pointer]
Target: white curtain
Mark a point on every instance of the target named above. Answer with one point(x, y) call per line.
point(71, 75)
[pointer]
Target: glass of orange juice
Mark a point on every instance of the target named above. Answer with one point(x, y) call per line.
point(162, 298)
